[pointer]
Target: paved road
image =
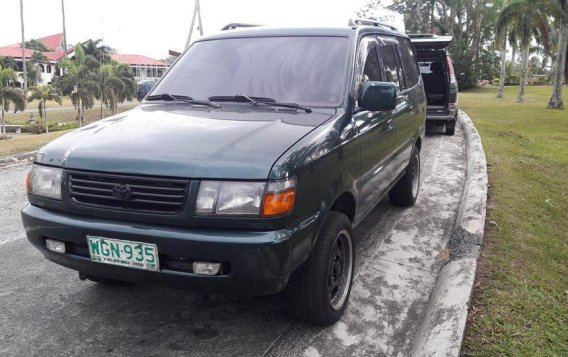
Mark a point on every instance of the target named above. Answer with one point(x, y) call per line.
point(46, 310)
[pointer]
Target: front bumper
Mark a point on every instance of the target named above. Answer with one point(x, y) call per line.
point(255, 262)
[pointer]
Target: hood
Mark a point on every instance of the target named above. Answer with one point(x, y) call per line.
point(183, 141)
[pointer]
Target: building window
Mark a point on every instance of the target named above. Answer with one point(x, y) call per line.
point(48, 68)
point(41, 67)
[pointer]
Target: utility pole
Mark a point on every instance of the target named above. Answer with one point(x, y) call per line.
point(196, 12)
point(23, 49)
point(64, 31)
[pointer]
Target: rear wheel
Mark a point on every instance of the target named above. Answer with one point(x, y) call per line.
point(405, 192)
point(451, 126)
point(319, 293)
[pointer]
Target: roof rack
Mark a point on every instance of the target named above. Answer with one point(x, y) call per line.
point(367, 22)
point(236, 25)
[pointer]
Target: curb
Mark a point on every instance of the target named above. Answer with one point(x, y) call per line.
point(442, 329)
point(17, 159)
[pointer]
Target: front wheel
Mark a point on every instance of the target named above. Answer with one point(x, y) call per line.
point(405, 192)
point(319, 293)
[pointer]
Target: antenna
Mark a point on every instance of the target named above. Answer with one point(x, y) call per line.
point(196, 12)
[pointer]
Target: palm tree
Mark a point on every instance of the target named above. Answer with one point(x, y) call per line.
point(44, 94)
point(23, 47)
point(501, 92)
point(528, 19)
point(561, 61)
point(64, 30)
point(33, 71)
point(99, 51)
point(117, 85)
point(9, 94)
point(80, 81)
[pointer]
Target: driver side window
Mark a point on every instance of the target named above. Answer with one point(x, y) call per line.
point(372, 69)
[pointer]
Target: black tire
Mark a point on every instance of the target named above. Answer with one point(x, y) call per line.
point(102, 281)
point(318, 293)
point(451, 127)
point(406, 190)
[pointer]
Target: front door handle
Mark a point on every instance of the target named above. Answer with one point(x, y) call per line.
point(390, 128)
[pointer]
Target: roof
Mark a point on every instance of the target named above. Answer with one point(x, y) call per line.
point(137, 60)
point(53, 42)
point(16, 53)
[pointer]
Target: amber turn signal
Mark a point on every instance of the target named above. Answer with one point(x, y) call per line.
point(276, 204)
point(28, 182)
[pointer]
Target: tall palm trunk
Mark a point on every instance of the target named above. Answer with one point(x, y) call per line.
point(45, 116)
point(23, 49)
point(560, 68)
point(79, 111)
point(64, 30)
point(524, 72)
point(501, 92)
point(3, 131)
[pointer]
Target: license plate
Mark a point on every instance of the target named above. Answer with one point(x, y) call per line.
point(123, 253)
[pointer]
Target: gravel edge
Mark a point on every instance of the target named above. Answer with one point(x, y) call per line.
point(442, 329)
point(17, 159)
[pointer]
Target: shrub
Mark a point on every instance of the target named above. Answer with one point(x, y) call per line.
point(35, 128)
point(62, 126)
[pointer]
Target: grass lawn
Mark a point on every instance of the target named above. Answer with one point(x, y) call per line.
point(65, 116)
point(25, 143)
point(520, 300)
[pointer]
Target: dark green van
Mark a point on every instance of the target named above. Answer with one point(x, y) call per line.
point(244, 170)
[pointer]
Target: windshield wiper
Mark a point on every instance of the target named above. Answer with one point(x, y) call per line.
point(258, 101)
point(182, 98)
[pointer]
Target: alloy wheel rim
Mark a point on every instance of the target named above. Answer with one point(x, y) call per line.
point(340, 269)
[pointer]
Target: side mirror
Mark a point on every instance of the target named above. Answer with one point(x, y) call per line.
point(378, 96)
point(461, 76)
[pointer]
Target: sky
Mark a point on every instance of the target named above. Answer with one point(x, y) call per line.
point(152, 28)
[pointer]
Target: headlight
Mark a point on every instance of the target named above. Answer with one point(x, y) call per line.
point(45, 181)
point(268, 199)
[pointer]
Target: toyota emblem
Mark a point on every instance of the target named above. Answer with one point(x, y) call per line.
point(122, 192)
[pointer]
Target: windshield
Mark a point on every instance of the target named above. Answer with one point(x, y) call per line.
point(303, 70)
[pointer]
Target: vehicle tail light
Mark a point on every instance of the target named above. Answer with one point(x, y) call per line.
point(28, 182)
point(451, 72)
point(279, 198)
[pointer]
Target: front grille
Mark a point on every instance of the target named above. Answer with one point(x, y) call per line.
point(151, 195)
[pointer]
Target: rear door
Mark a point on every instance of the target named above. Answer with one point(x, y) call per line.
point(431, 51)
point(402, 117)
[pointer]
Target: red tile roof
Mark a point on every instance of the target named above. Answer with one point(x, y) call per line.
point(53, 42)
point(137, 60)
point(16, 53)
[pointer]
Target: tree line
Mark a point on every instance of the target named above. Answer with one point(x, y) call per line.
point(89, 75)
point(482, 31)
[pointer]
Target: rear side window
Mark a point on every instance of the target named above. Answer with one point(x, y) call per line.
point(389, 65)
point(408, 61)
